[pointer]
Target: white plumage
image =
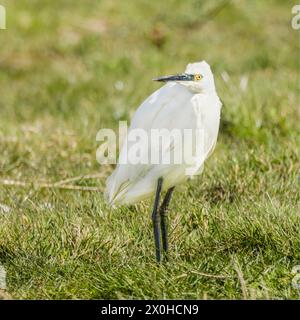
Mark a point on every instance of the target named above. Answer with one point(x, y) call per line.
point(177, 105)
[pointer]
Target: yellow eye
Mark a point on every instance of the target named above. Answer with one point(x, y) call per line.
point(197, 77)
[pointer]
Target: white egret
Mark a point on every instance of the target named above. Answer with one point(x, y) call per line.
point(187, 101)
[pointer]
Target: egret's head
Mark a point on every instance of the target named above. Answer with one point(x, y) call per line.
point(197, 77)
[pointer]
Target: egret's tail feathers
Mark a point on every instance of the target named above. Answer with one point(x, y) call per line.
point(114, 192)
point(126, 192)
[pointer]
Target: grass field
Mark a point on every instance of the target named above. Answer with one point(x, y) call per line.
point(69, 68)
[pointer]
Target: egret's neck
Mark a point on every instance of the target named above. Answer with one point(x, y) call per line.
point(204, 88)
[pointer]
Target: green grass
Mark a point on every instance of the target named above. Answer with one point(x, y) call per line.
point(59, 63)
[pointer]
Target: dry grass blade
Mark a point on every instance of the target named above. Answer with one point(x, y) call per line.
point(79, 178)
point(23, 184)
point(208, 275)
point(241, 278)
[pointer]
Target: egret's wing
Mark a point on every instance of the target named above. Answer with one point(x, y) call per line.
point(171, 107)
point(157, 111)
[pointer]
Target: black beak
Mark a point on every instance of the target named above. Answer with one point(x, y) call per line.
point(176, 77)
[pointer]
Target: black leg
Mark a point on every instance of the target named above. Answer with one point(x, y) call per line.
point(155, 219)
point(163, 216)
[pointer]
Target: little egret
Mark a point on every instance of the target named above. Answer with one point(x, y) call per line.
point(186, 101)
